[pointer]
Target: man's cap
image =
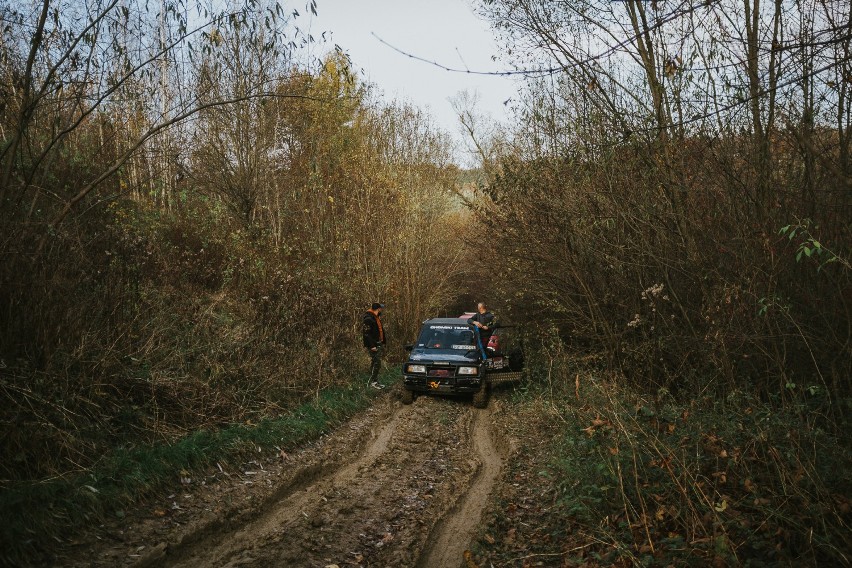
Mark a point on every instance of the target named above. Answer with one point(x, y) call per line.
point(377, 305)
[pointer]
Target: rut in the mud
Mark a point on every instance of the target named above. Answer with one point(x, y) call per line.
point(454, 533)
point(412, 497)
point(236, 548)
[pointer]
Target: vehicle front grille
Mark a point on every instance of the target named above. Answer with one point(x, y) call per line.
point(441, 372)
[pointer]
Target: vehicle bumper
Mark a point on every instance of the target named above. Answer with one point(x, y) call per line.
point(443, 385)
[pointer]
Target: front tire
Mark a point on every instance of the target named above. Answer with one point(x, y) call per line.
point(407, 396)
point(480, 397)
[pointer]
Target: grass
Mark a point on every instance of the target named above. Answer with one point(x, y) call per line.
point(39, 515)
point(623, 478)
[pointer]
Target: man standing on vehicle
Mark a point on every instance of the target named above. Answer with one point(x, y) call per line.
point(485, 321)
point(374, 340)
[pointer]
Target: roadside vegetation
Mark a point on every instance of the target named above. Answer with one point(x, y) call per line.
point(608, 475)
point(672, 210)
point(194, 214)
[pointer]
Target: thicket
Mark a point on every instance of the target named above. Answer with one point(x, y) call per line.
point(619, 477)
point(674, 208)
point(676, 196)
point(194, 216)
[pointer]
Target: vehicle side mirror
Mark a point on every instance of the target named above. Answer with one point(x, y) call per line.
point(409, 346)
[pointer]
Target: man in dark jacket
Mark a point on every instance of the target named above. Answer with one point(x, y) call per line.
point(485, 321)
point(374, 340)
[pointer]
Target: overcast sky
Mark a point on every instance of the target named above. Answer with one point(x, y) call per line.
point(446, 31)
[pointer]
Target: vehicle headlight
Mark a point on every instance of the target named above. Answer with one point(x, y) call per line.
point(416, 369)
point(468, 370)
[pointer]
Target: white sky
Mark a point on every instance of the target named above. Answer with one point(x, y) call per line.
point(446, 31)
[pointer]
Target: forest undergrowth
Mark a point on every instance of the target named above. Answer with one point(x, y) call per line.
point(609, 475)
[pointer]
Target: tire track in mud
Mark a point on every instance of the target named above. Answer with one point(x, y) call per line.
point(454, 533)
point(280, 514)
point(383, 514)
point(400, 486)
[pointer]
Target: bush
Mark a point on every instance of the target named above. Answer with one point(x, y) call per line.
point(665, 480)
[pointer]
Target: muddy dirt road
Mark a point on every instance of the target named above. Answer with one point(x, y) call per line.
point(397, 486)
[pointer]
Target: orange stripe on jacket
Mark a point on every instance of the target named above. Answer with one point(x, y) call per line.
point(381, 330)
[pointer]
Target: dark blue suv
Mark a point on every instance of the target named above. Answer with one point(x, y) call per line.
point(449, 358)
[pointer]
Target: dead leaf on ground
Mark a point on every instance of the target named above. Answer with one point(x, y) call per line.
point(720, 476)
point(598, 421)
point(510, 535)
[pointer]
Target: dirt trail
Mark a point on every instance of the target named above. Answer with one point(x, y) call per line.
point(238, 547)
point(397, 486)
point(454, 534)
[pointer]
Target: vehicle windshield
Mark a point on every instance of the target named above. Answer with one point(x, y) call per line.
point(447, 336)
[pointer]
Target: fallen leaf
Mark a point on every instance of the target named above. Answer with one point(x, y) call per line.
point(721, 476)
point(510, 535)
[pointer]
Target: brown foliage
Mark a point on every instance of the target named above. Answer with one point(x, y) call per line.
point(668, 268)
point(218, 274)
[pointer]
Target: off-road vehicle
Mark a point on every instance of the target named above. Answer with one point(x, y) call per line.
point(449, 357)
